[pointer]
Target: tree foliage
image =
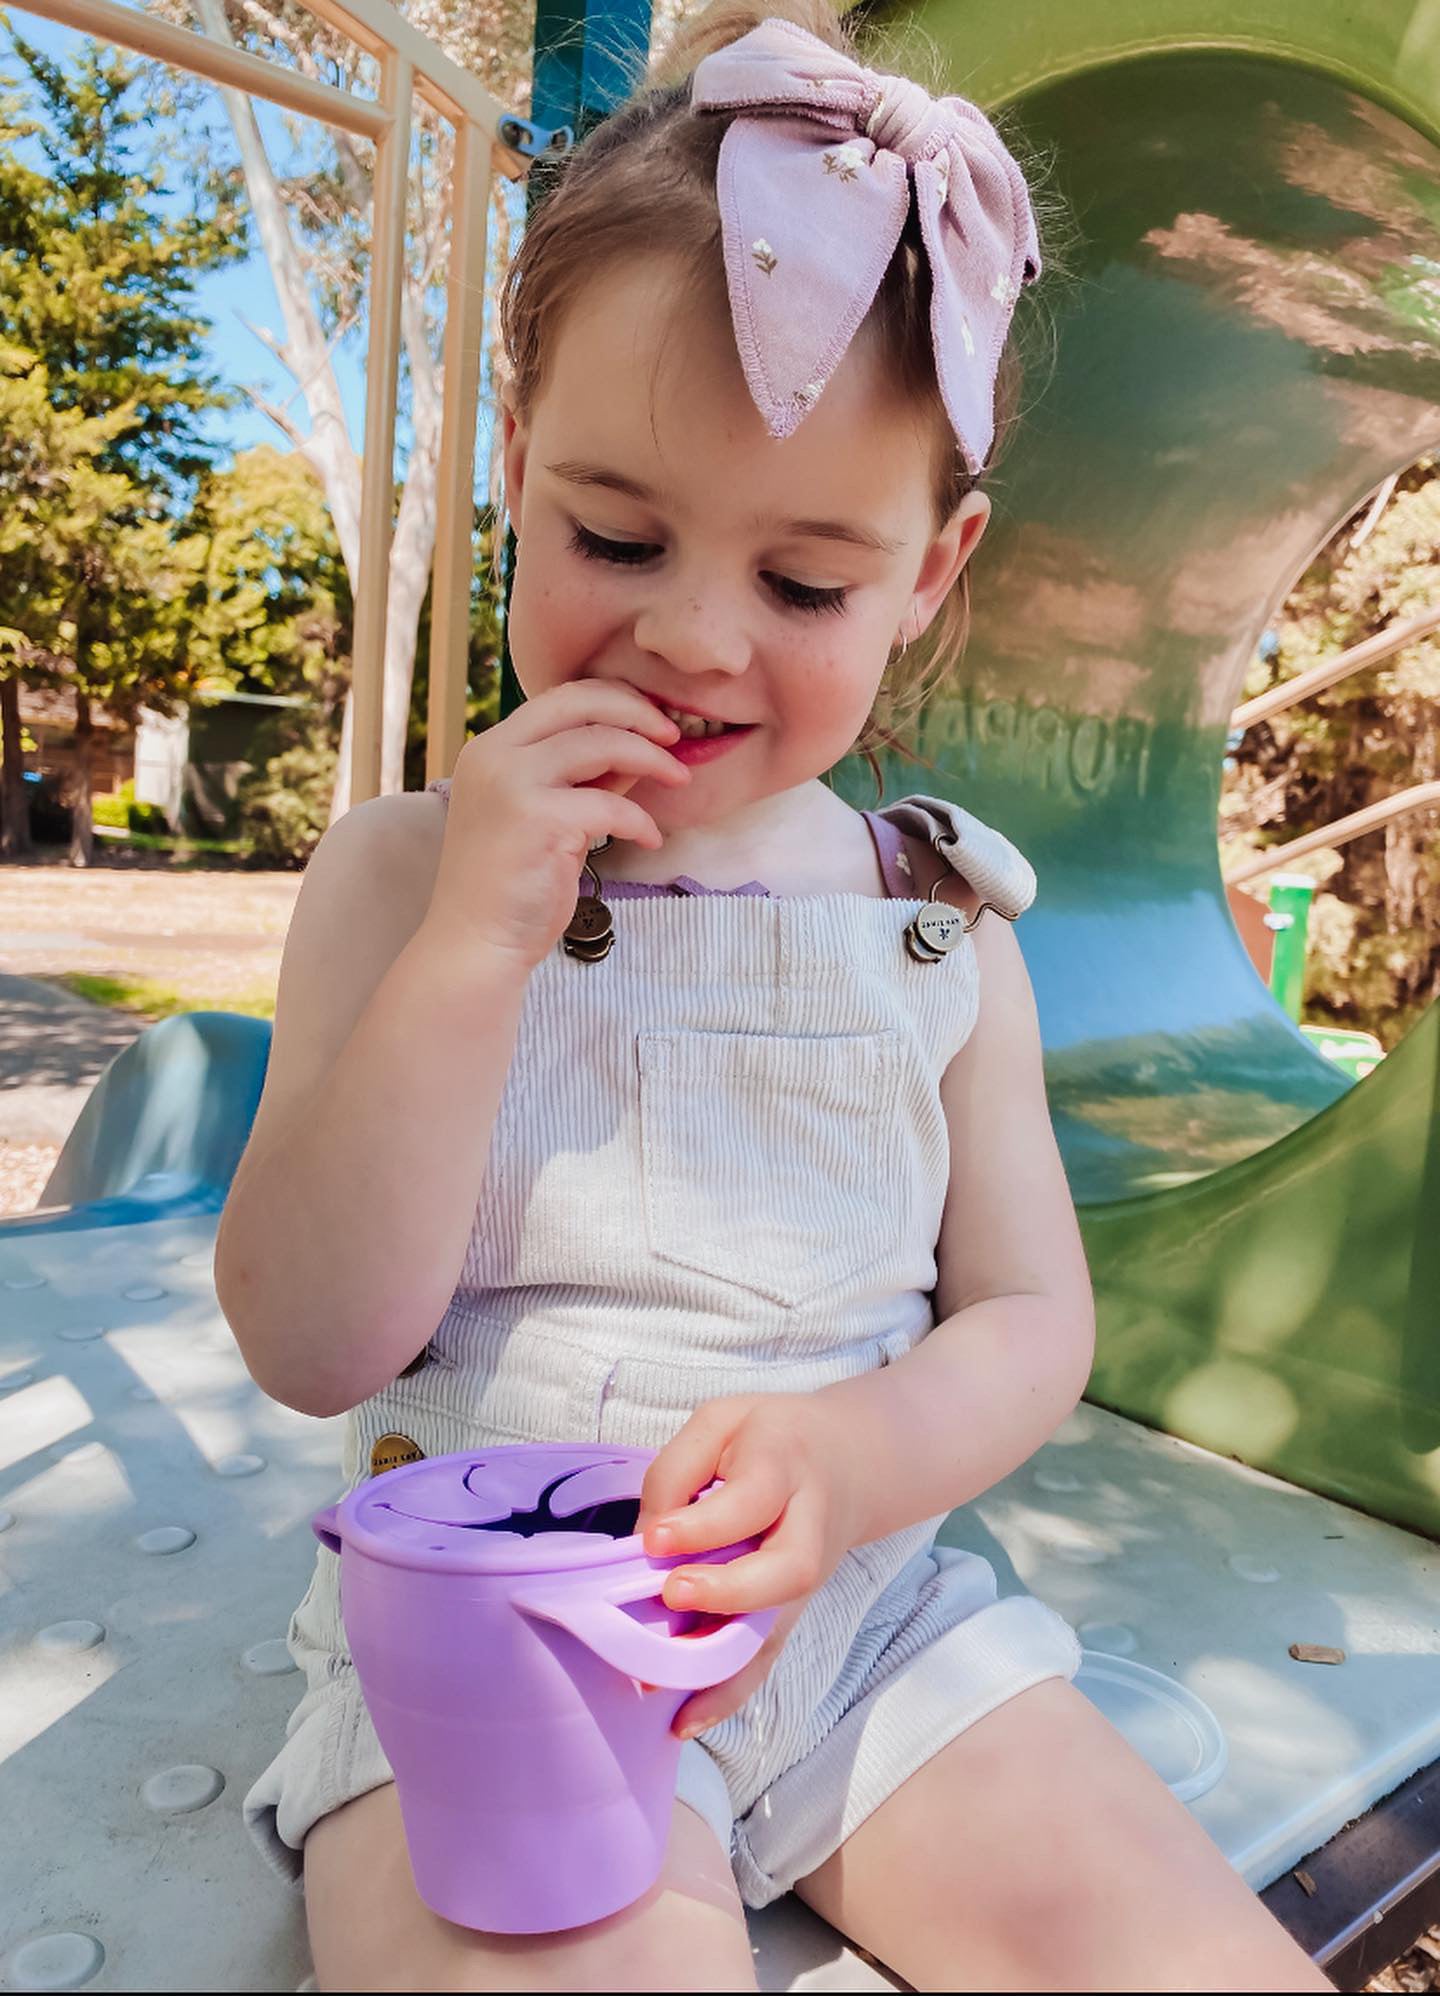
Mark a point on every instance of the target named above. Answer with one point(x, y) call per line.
point(101, 263)
point(310, 195)
point(103, 395)
point(1374, 957)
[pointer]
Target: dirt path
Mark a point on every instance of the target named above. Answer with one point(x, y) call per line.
point(215, 936)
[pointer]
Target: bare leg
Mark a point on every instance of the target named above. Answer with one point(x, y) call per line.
point(370, 1930)
point(1038, 1851)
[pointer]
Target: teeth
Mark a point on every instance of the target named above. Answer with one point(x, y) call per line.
point(691, 726)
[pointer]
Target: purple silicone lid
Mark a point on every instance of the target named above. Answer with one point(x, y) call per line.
point(538, 1508)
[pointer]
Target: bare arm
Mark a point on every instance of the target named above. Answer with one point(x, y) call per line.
point(346, 1224)
point(1014, 1338)
point(404, 974)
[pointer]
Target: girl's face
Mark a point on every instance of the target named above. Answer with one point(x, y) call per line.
point(666, 539)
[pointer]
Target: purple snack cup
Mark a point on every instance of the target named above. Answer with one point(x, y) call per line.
point(503, 1618)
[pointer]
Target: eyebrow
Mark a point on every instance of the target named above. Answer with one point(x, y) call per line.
point(575, 472)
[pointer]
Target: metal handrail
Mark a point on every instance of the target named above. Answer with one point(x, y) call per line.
point(1416, 798)
point(182, 48)
point(1331, 670)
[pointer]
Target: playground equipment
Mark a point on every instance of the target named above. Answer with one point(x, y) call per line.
point(1251, 349)
point(1254, 344)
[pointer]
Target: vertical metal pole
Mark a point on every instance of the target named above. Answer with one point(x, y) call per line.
point(1290, 898)
point(455, 488)
point(589, 56)
point(377, 482)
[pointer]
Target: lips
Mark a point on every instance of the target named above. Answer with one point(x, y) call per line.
point(679, 712)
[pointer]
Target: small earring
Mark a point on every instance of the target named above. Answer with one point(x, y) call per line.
point(896, 656)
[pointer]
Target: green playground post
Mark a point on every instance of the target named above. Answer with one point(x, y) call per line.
point(1289, 917)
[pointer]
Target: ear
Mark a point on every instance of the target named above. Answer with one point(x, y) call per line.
point(946, 555)
point(514, 449)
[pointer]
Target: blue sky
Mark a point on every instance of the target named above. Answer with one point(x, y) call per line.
point(231, 296)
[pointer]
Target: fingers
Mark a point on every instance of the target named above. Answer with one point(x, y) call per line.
point(582, 754)
point(688, 1461)
point(707, 1708)
point(748, 1502)
point(789, 1565)
point(582, 700)
point(594, 810)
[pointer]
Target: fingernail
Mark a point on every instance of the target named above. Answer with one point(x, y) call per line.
point(679, 1591)
point(661, 1538)
point(693, 1726)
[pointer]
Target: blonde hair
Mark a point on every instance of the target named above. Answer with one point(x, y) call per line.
point(644, 182)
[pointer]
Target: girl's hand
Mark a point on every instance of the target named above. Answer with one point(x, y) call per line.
point(786, 1480)
point(528, 798)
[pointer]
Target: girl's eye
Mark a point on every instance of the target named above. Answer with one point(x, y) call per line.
point(595, 547)
point(629, 554)
point(802, 596)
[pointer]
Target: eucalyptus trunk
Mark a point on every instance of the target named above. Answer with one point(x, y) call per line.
point(15, 839)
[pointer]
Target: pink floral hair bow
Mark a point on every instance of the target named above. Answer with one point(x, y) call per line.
point(815, 180)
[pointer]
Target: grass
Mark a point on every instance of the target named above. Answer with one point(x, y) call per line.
point(161, 1001)
point(163, 842)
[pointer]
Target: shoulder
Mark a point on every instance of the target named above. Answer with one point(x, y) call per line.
point(992, 866)
point(387, 846)
point(364, 894)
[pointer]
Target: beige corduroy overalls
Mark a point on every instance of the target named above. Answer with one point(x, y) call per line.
point(718, 1166)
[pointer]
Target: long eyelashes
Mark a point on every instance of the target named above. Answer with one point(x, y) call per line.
point(596, 548)
point(630, 554)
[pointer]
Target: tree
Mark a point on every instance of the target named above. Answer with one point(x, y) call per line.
point(103, 287)
point(106, 392)
point(1374, 955)
point(312, 214)
point(55, 500)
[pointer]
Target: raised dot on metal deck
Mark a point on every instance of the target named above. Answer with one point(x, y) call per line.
point(1113, 1638)
point(166, 1538)
point(1250, 1566)
point(71, 1635)
point(26, 1281)
point(145, 1292)
point(1077, 1552)
point(269, 1659)
point(81, 1334)
point(55, 1961)
point(1058, 1480)
point(78, 1452)
point(13, 1381)
point(239, 1465)
point(179, 1790)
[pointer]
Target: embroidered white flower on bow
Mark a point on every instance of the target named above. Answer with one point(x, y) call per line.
point(845, 160)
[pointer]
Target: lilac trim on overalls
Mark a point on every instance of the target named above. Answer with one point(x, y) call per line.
point(889, 847)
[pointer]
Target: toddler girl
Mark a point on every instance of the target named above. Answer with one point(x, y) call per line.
point(631, 1087)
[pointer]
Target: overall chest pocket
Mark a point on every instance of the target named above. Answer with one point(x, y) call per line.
point(769, 1160)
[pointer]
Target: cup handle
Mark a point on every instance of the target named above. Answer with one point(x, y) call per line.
point(676, 1663)
point(326, 1527)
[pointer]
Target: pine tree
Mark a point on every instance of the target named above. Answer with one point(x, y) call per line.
point(98, 264)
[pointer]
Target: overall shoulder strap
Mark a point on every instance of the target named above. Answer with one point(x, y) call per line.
point(997, 870)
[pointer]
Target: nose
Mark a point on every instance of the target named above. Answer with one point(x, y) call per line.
point(695, 629)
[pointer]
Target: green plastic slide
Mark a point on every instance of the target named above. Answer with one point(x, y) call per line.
point(1253, 342)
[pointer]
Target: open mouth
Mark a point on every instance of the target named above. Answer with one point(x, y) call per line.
point(704, 748)
point(693, 728)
